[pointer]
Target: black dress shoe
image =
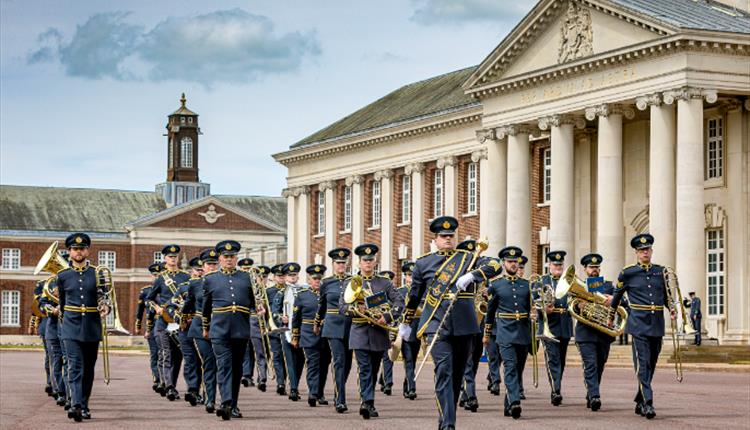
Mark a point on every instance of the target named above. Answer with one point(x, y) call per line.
point(191, 398)
point(495, 389)
point(312, 402)
point(245, 382)
point(388, 390)
point(341, 409)
point(639, 409)
point(225, 412)
point(506, 412)
point(210, 407)
point(162, 390)
point(373, 412)
point(48, 390)
point(281, 390)
point(462, 403)
point(262, 386)
point(172, 394)
point(412, 395)
point(522, 396)
point(294, 395)
point(596, 404)
point(449, 427)
point(322, 401)
point(86, 414)
point(60, 399)
point(556, 399)
point(236, 413)
point(515, 411)
point(76, 414)
point(472, 404)
point(364, 411)
point(649, 412)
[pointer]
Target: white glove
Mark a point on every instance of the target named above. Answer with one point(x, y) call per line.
point(463, 282)
point(404, 330)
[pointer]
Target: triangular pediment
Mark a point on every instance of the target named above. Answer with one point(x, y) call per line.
point(208, 213)
point(555, 33)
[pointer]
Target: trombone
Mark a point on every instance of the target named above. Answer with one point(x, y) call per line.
point(534, 347)
point(676, 306)
point(259, 291)
point(546, 296)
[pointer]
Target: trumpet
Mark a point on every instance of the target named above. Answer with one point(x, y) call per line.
point(545, 296)
point(676, 306)
point(356, 292)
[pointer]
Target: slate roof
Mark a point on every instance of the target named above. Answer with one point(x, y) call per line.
point(271, 209)
point(692, 14)
point(432, 96)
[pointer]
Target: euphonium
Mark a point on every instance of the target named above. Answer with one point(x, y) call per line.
point(51, 261)
point(355, 292)
point(545, 296)
point(594, 312)
point(676, 306)
point(480, 301)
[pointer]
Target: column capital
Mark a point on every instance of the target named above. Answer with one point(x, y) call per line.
point(747, 104)
point(643, 102)
point(354, 179)
point(606, 110)
point(486, 134)
point(286, 192)
point(512, 130)
point(730, 105)
point(449, 160)
point(546, 122)
point(478, 155)
point(687, 93)
point(326, 185)
point(416, 167)
point(383, 174)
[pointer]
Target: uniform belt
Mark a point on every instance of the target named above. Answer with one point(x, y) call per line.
point(638, 307)
point(360, 320)
point(512, 316)
point(80, 309)
point(559, 310)
point(332, 311)
point(232, 309)
point(306, 321)
point(465, 295)
point(198, 314)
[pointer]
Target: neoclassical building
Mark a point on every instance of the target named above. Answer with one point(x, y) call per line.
point(593, 120)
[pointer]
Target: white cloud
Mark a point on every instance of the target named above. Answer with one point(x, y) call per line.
point(433, 12)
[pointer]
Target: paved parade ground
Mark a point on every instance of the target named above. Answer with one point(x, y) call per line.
point(719, 400)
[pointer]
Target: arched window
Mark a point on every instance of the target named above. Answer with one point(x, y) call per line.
point(186, 152)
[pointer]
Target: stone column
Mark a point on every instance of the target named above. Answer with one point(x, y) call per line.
point(414, 170)
point(328, 188)
point(690, 227)
point(661, 177)
point(493, 190)
point(518, 228)
point(358, 217)
point(610, 231)
point(386, 218)
point(450, 197)
point(291, 220)
point(303, 226)
point(562, 204)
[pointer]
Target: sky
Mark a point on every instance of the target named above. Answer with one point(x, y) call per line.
point(86, 86)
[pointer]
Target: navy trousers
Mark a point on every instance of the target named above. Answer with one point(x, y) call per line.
point(555, 354)
point(208, 367)
point(312, 357)
point(278, 360)
point(170, 357)
point(191, 371)
point(342, 365)
point(153, 349)
point(55, 353)
point(449, 355)
point(410, 352)
point(469, 388)
point(697, 326)
point(260, 359)
point(594, 356)
point(369, 365)
point(248, 362)
point(386, 378)
point(81, 362)
point(514, 361)
point(646, 351)
point(230, 354)
point(493, 361)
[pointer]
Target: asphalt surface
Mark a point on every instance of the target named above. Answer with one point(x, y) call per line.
point(706, 400)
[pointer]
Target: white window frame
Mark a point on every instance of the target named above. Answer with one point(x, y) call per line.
point(182, 120)
point(11, 259)
point(406, 200)
point(347, 208)
point(471, 188)
point(714, 147)
point(158, 257)
point(376, 204)
point(321, 212)
point(547, 175)
point(186, 152)
point(190, 120)
point(170, 153)
point(437, 193)
point(545, 251)
point(108, 259)
point(11, 308)
point(715, 271)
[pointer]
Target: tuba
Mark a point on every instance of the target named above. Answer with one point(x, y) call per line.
point(676, 306)
point(53, 263)
point(355, 293)
point(545, 296)
point(594, 312)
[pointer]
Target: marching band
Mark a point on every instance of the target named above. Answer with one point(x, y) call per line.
point(454, 305)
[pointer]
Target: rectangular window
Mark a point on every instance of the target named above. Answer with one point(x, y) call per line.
point(108, 259)
point(11, 307)
point(471, 181)
point(405, 199)
point(170, 153)
point(715, 270)
point(11, 258)
point(544, 251)
point(376, 204)
point(158, 257)
point(715, 148)
point(347, 208)
point(547, 175)
point(321, 212)
point(438, 194)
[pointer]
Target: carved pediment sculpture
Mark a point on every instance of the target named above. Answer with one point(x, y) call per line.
point(211, 216)
point(576, 36)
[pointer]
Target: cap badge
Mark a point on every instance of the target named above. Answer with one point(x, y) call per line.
point(368, 251)
point(512, 252)
point(341, 253)
point(212, 254)
point(643, 240)
point(594, 260)
point(173, 249)
point(78, 239)
point(317, 269)
point(470, 246)
point(446, 225)
point(228, 246)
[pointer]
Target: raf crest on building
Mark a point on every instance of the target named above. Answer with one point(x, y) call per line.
point(211, 216)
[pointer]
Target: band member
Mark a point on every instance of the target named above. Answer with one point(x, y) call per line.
point(140, 311)
point(592, 343)
point(560, 324)
point(409, 346)
point(694, 303)
point(164, 288)
point(647, 294)
point(54, 347)
point(294, 358)
point(252, 354)
point(317, 353)
point(509, 316)
point(82, 309)
point(385, 380)
point(445, 271)
point(370, 341)
point(521, 274)
point(228, 300)
point(191, 370)
point(194, 306)
point(38, 325)
point(335, 327)
point(279, 365)
point(256, 335)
